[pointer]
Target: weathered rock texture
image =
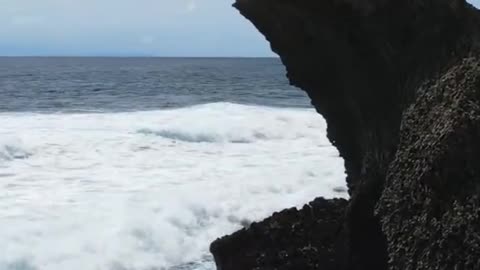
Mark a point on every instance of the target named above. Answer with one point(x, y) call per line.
point(292, 239)
point(398, 84)
point(430, 206)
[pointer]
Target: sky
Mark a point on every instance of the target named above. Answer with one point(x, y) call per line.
point(128, 28)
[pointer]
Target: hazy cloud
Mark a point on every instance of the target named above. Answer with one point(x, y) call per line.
point(147, 40)
point(26, 20)
point(191, 5)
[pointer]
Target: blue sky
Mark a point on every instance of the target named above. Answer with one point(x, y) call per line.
point(128, 27)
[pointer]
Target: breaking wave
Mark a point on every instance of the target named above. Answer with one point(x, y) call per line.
point(235, 123)
point(151, 189)
point(12, 149)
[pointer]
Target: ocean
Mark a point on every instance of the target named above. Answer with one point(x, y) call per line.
point(139, 163)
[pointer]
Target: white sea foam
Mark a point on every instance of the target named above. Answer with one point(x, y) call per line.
point(151, 190)
point(12, 148)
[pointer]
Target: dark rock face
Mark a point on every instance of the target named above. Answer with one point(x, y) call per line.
point(397, 82)
point(430, 207)
point(310, 238)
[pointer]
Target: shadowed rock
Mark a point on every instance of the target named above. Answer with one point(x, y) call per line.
point(397, 84)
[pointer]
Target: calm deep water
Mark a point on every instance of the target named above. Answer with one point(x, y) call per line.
point(132, 84)
point(139, 163)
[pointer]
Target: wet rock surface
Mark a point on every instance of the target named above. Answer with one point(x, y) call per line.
point(397, 82)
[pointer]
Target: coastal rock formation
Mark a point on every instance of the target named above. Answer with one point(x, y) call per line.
point(398, 84)
point(430, 207)
point(279, 242)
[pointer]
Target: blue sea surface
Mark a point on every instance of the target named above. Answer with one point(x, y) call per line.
point(131, 84)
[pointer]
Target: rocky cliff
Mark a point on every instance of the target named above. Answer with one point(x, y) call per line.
point(398, 83)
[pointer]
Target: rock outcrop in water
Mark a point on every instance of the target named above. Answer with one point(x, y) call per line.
point(279, 242)
point(398, 83)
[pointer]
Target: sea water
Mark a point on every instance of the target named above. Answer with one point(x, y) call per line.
point(139, 163)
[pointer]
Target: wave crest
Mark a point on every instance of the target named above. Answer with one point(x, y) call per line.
point(13, 150)
point(203, 137)
point(235, 123)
